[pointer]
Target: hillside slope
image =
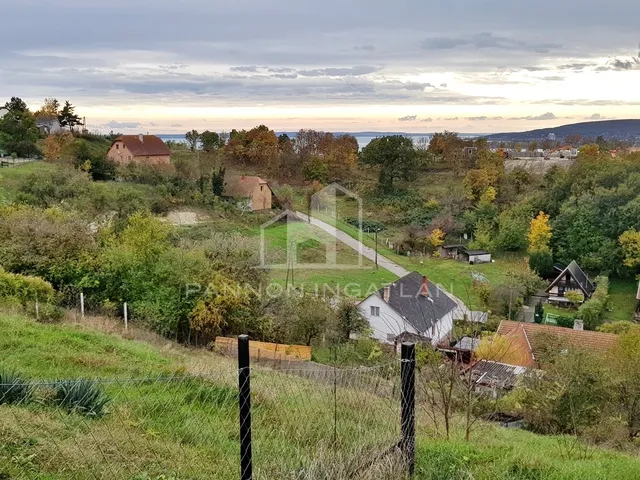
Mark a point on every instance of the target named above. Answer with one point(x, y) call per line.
point(619, 129)
point(170, 423)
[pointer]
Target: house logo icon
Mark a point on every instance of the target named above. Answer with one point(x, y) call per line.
point(314, 240)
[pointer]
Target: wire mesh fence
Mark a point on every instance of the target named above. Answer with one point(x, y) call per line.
point(306, 423)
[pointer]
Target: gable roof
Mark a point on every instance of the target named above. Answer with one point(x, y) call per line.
point(242, 186)
point(150, 145)
point(529, 340)
point(496, 374)
point(419, 311)
point(578, 275)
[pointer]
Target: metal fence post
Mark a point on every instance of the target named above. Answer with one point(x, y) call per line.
point(408, 381)
point(244, 386)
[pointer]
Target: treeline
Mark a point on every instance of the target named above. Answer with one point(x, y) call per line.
point(19, 133)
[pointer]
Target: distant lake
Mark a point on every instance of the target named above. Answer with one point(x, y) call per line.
point(363, 138)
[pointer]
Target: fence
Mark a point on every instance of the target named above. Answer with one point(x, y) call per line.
point(243, 421)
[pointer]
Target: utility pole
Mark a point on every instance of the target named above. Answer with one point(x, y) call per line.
point(376, 236)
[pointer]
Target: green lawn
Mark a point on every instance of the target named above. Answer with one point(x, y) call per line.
point(11, 177)
point(186, 425)
point(622, 299)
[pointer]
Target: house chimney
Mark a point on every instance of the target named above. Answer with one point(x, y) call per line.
point(578, 324)
point(386, 293)
point(424, 289)
point(141, 137)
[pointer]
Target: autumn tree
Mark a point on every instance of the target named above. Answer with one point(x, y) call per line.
point(539, 233)
point(59, 147)
point(68, 117)
point(394, 155)
point(630, 243)
point(50, 108)
point(436, 237)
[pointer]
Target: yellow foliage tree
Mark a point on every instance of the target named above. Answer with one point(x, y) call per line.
point(437, 239)
point(539, 233)
point(630, 243)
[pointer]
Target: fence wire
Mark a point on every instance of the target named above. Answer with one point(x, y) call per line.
point(308, 423)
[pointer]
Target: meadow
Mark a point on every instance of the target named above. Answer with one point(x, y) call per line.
point(173, 414)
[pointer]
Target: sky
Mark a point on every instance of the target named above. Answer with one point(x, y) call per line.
point(167, 66)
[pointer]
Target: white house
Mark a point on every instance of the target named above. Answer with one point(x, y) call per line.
point(410, 307)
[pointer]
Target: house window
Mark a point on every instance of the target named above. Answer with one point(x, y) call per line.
point(375, 311)
point(261, 187)
point(117, 146)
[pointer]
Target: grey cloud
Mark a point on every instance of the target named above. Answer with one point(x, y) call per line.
point(575, 66)
point(553, 78)
point(340, 72)
point(366, 48)
point(175, 125)
point(486, 40)
point(595, 116)
point(115, 124)
point(477, 119)
point(247, 69)
point(451, 119)
point(443, 85)
point(427, 120)
point(408, 118)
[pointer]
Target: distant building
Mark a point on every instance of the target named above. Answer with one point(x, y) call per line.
point(411, 307)
point(552, 137)
point(48, 125)
point(252, 193)
point(147, 149)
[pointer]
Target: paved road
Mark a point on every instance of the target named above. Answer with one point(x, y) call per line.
point(347, 239)
point(371, 254)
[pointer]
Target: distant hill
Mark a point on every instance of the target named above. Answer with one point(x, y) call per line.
point(620, 129)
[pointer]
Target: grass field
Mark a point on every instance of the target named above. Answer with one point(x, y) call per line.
point(187, 427)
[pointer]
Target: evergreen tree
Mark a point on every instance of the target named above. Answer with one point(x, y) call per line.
point(67, 117)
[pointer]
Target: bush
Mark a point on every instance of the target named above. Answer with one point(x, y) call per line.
point(80, 396)
point(14, 389)
point(46, 313)
point(541, 262)
point(593, 309)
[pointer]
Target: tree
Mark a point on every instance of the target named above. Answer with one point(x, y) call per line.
point(18, 130)
point(350, 320)
point(625, 361)
point(436, 237)
point(210, 141)
point(539, 233)
point(192, 137)
point(395, 156)
point(217, 181)
point(538, 315)
point(630, 243)
point(50, 108)
point(67, 116)
point(541, 261)
point(59, 147)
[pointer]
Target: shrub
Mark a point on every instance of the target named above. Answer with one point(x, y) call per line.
point(46, 312)
point(14, 389)
point(80, 396)
point(541, 261)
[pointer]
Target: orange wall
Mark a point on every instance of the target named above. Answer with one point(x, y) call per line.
point(261, 197)
point(119, 153)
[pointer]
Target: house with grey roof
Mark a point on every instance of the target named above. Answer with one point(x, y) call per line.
point(572, 278)
point(412, 306)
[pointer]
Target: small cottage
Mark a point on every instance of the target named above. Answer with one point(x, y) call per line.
point(146, 149)
point(250, 192)
point(572, 278)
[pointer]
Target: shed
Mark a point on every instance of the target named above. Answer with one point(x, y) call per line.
point(450, 251)
point(476, 256)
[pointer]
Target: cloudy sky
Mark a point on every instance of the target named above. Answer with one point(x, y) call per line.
point(351, 65)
